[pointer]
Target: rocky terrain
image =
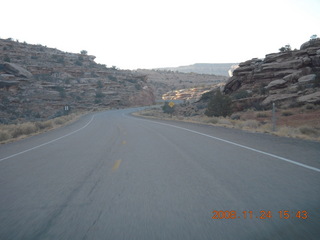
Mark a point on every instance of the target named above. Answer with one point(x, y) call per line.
point(37, 83)
point(223, 69)
point(288, 78)
point(178, 85)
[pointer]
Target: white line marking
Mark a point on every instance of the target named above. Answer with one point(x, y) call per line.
point(41, 145)
point(238, 145)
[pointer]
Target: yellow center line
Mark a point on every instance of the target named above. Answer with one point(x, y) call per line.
point(116, 165)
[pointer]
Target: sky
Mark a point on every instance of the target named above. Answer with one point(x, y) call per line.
point(132, 34)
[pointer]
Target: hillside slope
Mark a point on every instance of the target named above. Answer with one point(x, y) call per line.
point(37, 82)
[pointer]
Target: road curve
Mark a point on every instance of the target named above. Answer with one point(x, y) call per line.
point(114, 176)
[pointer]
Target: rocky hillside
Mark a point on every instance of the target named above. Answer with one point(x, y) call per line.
point(288, 78)
point(222, 69)
point(37, 82)
point(168, 83)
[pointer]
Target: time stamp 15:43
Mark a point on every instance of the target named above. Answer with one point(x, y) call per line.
point(263, 214)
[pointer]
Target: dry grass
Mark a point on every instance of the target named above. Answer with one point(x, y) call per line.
point(12, 132)
point(301, 123)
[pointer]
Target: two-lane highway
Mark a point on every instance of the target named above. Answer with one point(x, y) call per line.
point(114, 176)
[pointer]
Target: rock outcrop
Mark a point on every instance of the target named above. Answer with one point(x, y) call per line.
point(286, 78)
point(36, 82)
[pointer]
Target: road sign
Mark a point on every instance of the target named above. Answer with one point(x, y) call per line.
point(171, 104)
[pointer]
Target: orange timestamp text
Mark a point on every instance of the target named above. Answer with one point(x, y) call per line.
point(263, 214)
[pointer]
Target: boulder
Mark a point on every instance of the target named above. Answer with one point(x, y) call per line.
point(278, 97)
point(280, 83)
point(307, 79)
point(16, 70)
point(310, 98)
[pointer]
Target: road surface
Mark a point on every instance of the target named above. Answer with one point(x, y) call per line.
point(114, 176)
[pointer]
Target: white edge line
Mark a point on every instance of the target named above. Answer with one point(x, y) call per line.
point(238, 145)
point(43, 144)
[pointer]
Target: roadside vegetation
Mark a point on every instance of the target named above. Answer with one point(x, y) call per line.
point(12, 132)
point(302, 122)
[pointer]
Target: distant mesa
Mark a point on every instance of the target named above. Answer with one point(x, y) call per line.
point(222, 69)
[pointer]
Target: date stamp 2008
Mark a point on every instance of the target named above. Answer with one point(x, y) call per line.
point(263, 214)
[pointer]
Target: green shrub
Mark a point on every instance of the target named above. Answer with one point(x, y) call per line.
point(316, 82)
point(99, 94)
point(167, 109)
point(6, 58)
point(219, 105)
point(241, 94)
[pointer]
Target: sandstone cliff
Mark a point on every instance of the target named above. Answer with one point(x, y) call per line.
point(36, 82)
point(289, 78)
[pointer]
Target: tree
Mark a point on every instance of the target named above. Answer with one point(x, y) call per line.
point(286, 48)
point(313, 37)
point(167, 109)
point(84, 52)
point(219, 105)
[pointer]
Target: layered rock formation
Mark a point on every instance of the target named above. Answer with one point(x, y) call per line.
point(287, 78)
point(36, 82)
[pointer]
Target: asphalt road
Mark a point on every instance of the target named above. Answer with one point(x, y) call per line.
point(114, 176)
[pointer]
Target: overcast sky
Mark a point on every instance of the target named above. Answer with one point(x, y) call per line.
point(133, 34)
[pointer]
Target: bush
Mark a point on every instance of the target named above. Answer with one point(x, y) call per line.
point(100, 84)
point(262, 115)
point(219, 105)
point(99, 94)
point(6, 58)
point(286, 48)
point(167, 109)
point(316, 82)
point(308, 131)
point(287, 113)
point(241, 94)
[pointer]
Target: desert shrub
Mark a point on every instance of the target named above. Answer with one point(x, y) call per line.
point(4, 136)
point(309, 106)
point(99, 84)
point(99, 94)
point(112, 78)
point(286, 113)
point(43, 125)
point(241, 94)
point(224, 121)
point(24, 129)
point(316, 82)
point(58, 121)
point(251, 124)
point(6, 58)
point(219, 105)
point(207, 96)
point(235, 116)
point(79, 63)
point(286, 48)
point(167, 109)
point(262, 115)
point(308, 131)
point(138, 86)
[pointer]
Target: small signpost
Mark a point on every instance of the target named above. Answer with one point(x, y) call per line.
point(66, 109)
